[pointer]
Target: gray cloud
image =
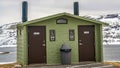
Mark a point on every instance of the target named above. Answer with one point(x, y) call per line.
point(11, 9)
point(100, 4)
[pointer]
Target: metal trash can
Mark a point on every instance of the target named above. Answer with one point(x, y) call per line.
point(65, 54)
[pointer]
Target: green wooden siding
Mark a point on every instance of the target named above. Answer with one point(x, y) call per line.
point(62, 36)
point(22, 46)
point(98, 43)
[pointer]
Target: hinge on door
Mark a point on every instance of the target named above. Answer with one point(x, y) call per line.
point(28, 45)
point(28, 31)
point(95, 58)
point(93, 31)
point(94, 43)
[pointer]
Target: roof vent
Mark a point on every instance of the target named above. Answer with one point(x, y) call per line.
point(24, 11)
point(76, 8)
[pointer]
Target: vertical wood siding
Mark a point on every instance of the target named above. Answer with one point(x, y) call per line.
point(62, 36)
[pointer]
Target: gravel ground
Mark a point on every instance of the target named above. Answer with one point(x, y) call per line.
point(7, 65)
point(81, 65)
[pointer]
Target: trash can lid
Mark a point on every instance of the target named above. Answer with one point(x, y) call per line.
point(65, 46)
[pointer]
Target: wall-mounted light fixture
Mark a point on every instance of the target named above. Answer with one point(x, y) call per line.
point(71, 35)
point(52, 35)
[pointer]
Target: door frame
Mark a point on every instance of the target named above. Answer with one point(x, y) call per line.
point(27, 29)
point(94, 41)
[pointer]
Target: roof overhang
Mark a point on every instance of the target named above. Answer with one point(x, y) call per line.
point(64, 14)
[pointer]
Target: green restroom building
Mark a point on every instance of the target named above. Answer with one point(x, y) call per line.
point(40, 40)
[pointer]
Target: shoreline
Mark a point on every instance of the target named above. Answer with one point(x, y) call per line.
point(3, 63)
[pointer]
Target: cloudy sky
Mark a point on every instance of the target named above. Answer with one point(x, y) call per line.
point(10, 10)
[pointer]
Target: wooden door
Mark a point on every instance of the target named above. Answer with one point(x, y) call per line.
point(36, 44)
point(86, 43)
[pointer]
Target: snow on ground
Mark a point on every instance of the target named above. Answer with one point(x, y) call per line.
point(7, 62)
point(7, 46)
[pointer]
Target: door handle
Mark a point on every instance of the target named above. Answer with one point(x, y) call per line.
point(80, 40)
point(80, 44)
point(43, 44)
point(44, 41)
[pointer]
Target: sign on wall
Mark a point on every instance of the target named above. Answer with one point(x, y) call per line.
point(61, 21)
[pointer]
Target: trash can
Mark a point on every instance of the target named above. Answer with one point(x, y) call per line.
point(65, 54)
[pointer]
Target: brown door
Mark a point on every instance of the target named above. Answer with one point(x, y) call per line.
point(86, 43)
point(36, 44)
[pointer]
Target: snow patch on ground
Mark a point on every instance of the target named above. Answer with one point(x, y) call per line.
point(7, 62)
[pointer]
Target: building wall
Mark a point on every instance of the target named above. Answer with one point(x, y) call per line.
point(62, 36)
point(98, 43)
point(21, 45)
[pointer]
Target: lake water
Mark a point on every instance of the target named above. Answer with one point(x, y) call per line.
point(10, 57)
point(111, 53)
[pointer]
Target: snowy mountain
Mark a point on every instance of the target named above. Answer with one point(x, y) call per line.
point(8, 35)
point(111, 33)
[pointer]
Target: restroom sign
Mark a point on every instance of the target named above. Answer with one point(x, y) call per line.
point(36, 33)
point(86, 32)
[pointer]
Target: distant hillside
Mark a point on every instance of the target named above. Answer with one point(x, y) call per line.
point(8, 35)
point(111, 33)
